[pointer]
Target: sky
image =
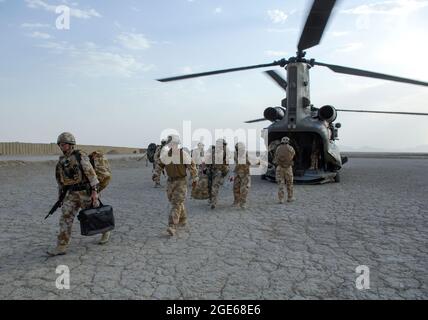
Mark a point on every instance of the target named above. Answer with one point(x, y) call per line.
point(96, 78)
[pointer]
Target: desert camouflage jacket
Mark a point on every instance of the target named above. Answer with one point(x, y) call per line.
point(68, 171)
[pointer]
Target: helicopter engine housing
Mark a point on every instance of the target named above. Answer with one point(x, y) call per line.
point(327, 113)
point(274, 113)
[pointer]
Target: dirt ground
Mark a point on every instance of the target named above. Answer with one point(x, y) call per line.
point(310, 249)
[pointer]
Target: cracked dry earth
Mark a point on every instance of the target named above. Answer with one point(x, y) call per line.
point(377, 216)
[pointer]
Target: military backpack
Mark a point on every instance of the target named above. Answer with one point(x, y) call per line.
point(101, 166)
point(151, 149)
point(285, 154)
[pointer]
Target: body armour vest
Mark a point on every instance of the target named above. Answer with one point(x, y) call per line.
point(69, 170)
point(176, 170)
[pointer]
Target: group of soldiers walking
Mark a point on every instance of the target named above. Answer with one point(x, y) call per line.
point(214, 165)
point(79, 185)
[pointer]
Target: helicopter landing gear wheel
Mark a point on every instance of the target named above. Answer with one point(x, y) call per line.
point(337, 177)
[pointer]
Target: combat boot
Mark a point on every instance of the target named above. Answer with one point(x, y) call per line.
point(235, 204)
point(105, 238)
point(171, 231)
point(281, 201)
point(182, 223)
point(290, 195)
point(59, 250)
point(243, 206)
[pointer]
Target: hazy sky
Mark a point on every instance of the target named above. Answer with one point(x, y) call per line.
point(97, 79)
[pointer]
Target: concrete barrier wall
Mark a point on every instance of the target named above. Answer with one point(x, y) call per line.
point(18, 148)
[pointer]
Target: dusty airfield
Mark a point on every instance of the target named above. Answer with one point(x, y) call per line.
point(377, 216)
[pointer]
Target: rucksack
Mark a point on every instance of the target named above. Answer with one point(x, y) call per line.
point(101, 166)
point(151, 149)
point(285, 154)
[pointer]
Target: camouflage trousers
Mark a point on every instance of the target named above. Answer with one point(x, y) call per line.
point(218, 181)
point(314, 161)
point(201, 189)
point(241, 186)
point(176, 192)
point(73, 201)
point(156, 178)
point(284, 176)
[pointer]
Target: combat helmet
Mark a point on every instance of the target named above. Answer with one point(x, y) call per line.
point(285, 140)
point(66, 137)
point(173, 138)
point(220, 142)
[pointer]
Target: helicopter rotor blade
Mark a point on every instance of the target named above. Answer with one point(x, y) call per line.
point(256, 120)
point(277, 78)
point(281, 63)
point(369, 74)
point(388, 112)
point(315, 23)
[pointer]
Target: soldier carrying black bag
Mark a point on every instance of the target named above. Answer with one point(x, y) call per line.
point(79, 182)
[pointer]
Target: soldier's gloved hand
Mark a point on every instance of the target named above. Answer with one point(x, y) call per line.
point(194, 184)
point(154, 177)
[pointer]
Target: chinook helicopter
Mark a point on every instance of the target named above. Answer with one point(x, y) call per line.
point(311, 130)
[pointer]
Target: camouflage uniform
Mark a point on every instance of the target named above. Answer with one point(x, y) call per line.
point(219, 173)
point(284, 170)
point(176, 185)
point(156, 178)
point(314, 160)
point(218, 170)
point(241, 181)
point(198, 155)
point(315, 154)
point(201, 191)
point(68, 173)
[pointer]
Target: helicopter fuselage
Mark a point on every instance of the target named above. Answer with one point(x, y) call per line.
point(310, 130)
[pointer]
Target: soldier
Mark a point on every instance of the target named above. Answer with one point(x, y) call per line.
point(284, 171)
point(242, 178)
point(217, 169)
point(315, 154)
point(175, 161)
point(156, 179)
point(198, 156)
point(79, 182)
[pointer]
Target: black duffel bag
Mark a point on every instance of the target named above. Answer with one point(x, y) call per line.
point(96, 220)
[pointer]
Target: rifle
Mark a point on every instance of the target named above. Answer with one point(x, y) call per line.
point(58, 203)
